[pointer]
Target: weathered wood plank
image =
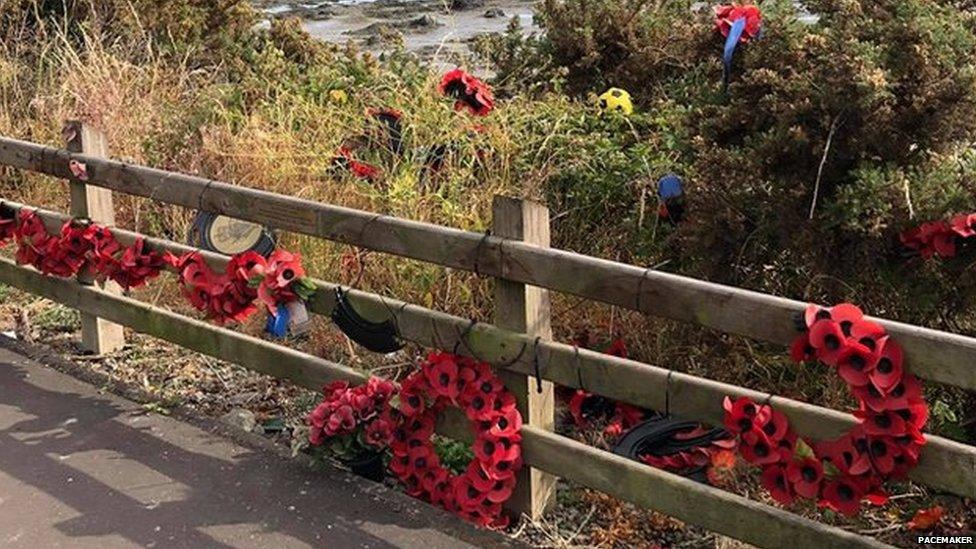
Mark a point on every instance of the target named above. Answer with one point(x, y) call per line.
point(97, 335)
point(673, 495)
point(944, 464)
point(939, 356)
point(526, 309)
point(692, 502)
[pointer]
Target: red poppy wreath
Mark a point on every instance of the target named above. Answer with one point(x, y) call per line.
point(885, 444)
point(446, 380)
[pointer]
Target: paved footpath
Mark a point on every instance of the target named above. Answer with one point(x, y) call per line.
point(82, 468)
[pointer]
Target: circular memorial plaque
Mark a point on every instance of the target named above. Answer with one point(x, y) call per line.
point(229, 236)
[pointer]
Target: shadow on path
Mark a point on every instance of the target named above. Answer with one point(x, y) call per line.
point(77, 465)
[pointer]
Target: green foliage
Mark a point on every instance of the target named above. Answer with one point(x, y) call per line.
point(455, 456)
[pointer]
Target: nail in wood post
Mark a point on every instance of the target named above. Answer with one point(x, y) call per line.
point(97, 335)
point(525, 309)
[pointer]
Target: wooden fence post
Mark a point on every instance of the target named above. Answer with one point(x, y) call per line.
point(98, 336)
point(525, 309)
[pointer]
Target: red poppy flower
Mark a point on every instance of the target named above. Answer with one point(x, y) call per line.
point(442, 375)
point(805, 476)
point(933, 238)
point(726, 15)
point(883, 451)
point(137, 265)
point(757, 448)
point(813, 313)
point(786, 446)
point(964, 225)
point(743, 414)
point(342, 420)
point(467, 495)
point(247, 266)
point(775, 481)
point(855, 364)
point(801, 350)
point(827, 337)
point(502, 490)
point(843, 495)
point(905, 392)
point(493, 450)
point(886, 423)
point(505, 424)
point(871, 397)
point(617, 348)
point(867, 333)
point(916, 415)
point(469, 92)
point(888, 371)
point(412, 400)
point(844, 454)
point(776, 427)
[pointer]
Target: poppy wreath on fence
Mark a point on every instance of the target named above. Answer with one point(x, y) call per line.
point(885, 444)
point(83, 247)
point(478, 493)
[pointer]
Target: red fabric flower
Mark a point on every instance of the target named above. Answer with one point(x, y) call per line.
point(758, 449)
point(775, 481)
point(888, 371)
point(805, 475)
point(855, 363)
point(743, 415)
point(843, 495)
point(136, 266)
point(827, 337)
point(964, 225)
point(801, 350)
point(886, 423)
point(931, 239)
point(728, 14)
point(469, 92)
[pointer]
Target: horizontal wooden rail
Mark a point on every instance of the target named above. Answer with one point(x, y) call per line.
point(692, 502)
point(939, 356)
point(945, 464)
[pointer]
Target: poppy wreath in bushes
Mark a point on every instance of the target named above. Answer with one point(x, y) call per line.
point(940, 238)
point(477, 494)
point(469, 93)
point(885, 444)
point(83, 247)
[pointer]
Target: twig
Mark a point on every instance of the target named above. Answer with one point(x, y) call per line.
point(823, 161)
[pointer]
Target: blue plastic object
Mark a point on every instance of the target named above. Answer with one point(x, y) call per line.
point(277, 325)
point(669, 187)
point(735, 33)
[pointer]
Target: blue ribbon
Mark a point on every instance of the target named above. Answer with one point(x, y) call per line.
point(277, 325)
point(735, 33)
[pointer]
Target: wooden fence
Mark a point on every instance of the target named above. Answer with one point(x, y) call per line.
point(516, 254)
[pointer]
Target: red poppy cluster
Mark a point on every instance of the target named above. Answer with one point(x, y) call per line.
point(727, 14)
point(468, 92)
point(477, 494)
point(248, 277)
point(939, 238)
point(363, 411)
point(79, 247)
point(885, 444)
point(585, 407)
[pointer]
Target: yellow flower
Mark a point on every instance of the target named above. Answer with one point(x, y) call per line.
point(338, 96)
